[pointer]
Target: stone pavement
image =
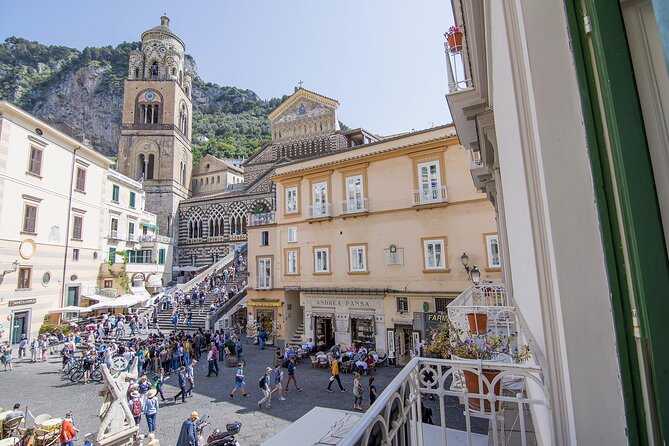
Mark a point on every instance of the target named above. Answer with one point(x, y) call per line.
point(41, 388)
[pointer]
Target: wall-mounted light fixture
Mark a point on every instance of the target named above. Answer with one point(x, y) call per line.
point(473, 272)
point(12, 269)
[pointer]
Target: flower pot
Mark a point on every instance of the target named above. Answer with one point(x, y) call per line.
point(472, 383)
point(454, 42)
point(478, 323)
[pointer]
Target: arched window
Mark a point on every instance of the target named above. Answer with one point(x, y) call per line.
point(218, 179)
point(183, 119)
point(180, 76)
point(136, 73)
point(187, 91)
point(174, 70)
point(206, 180)
point(150, 166)
point(141, 167)
point(153, 70)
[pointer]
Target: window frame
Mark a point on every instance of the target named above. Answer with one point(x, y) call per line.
point(322, 248)
point(132, 200)
point(436, 155)
point(30, 170)
point(350, 172)
point(24, 229)
point(287, 190)
point(75, 254)
point(162, 255)
point(424, 241)
point(405, 301)
point(116, 188)
point(294, 229)
point(111, 226)
point(81, 227)
point(269, 278)
point(80, 178)
point(286, 257)
point(355, 246)
point(109, 282)
point(264, 238)
point(22, 268)
point(487, 238)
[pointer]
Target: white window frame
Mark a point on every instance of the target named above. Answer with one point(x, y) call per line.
point(291, 206)
point(353, 256)
point(431, 259)
point(291, 262)
point(292, 234)
point(430, 190)
point(355, 193)
point(489, 239)
point(263, 235)
point(264, 272)
point(322, 255)
point(319, 200)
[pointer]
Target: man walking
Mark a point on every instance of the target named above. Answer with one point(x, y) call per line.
point(334, 369)
point(264, 385)
point(182, 385)
point(239, 381)
point(291, 375)
point(211, 362)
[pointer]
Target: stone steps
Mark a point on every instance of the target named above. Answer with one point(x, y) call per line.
point(298, 336)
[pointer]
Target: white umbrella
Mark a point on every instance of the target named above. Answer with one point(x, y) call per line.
point(71, 309)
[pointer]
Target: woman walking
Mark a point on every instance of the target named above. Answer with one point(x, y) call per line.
point(373, 393)
point(7, 356)
point(357, 393)
point(334, 369)
point(151, 407)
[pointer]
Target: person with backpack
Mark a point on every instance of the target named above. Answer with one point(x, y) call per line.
point(263, 383)
point(150, 409)
point(182, 385)
point(239, 381)
point(238, 351)
point(135, 405)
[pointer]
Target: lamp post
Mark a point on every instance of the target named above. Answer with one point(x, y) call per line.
point(475, 275)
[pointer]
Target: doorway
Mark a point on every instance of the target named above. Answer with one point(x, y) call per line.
point(20, 325)
point(265, 320)
point(72, 301)
point(324, 335)
point(403, 343)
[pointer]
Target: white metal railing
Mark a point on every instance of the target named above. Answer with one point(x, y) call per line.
point(266, 218)
point(132, 238)
point(354, 206)
point(475, 162)
point(320, 210)
point(264, 283)
point(455, 70)
point(506, 396)
point(429, 195)
point(150, 238)
point(489, 299)
point(114, 235)
point(200, 277)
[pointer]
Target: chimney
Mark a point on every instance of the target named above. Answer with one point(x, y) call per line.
point(165, 21)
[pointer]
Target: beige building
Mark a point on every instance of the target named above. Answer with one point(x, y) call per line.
point(51, 217)
point(368, 243)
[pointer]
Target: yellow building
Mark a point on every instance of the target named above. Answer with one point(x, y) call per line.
point(366, 243)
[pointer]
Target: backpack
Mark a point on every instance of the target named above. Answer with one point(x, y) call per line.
point(261, 382)
point(136, 408)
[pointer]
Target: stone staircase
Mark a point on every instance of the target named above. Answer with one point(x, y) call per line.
point(199, 318)
point(298, 336)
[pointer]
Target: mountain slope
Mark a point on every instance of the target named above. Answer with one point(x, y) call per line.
point(81, 93)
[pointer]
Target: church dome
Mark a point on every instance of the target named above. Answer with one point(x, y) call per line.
point(164, 29)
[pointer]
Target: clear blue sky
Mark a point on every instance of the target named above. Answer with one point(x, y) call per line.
point(383, 60)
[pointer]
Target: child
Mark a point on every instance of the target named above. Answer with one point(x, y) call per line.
point(357, 393)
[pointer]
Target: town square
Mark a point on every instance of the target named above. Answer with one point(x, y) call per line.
point(334, 223)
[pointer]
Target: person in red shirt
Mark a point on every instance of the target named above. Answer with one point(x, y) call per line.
point(67, 431)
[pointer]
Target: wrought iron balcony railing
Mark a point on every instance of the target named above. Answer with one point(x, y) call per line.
point(266, 218)
point(486, 304)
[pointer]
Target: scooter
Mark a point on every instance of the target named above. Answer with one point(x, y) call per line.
point(218, 437)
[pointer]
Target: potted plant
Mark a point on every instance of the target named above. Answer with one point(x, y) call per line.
point(447, 342)
point(454, 37)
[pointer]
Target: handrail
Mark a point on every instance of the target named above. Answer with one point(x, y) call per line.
point(234, 300)
point(224, 261)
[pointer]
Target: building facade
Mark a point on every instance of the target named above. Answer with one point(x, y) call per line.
point(368, 241)
point(155, 145)
point(570, 145)
point(51, 219)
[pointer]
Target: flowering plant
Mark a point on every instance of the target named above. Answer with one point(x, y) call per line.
point(448, 341)
point(454, 29)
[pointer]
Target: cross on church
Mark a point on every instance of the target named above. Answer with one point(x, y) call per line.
point(300, 83)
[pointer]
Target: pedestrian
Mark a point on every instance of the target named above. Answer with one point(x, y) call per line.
point(291, 375)
point(190, 375)
point(7, 356)
point(239, 381)
point(264, 385)
point(23, 343)
point(151, 407)
point(135, 405)
point(211, 362)
point(33, 350)
point(159, 383)
point(188, 433)
point(44, 345)
point(28, 438)
point(262, 337)
point(67, 430)
point(357, 392)
point(278, 376)
point(216, 353)
point(238, 351)
point(182, 385)
point(143, 385)
point(373, 393)
point(334, 369)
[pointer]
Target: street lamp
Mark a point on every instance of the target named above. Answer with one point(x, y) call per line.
point(475, 275)
point(464, 258)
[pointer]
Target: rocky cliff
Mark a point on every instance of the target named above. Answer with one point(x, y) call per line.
point(81, 93)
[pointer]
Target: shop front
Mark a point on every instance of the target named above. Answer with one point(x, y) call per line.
point(345, 319)
point(263, 315)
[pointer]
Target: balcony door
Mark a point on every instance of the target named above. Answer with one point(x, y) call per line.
point(265, 272)
point(354, 194)
point(320, 198)
point(429, 176)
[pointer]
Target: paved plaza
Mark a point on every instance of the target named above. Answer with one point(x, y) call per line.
point(41, 388)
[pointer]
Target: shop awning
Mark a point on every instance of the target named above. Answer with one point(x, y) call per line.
point(99, 297)
point(149, 225)
point(256, 303)
point(369, 317)
point(125, 301)
point(70, 309)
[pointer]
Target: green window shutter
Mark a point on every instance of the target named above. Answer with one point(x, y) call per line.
point(115, 193)
point(132, 199)
point(112, 255)
point(161, 256)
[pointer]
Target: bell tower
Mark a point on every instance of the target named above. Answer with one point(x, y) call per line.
point(155, 144)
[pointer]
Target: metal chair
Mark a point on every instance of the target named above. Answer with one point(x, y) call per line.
point(11, 427)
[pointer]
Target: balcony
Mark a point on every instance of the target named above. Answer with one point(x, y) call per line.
point(357, 206)
point(430, 195)
point(193, 240)
point(216, 238)
point(490, 303)
point(237, 237)
point(114, 235)
point(487, 418)
point(132, 238)
point(323, 210)
point(150, 239)
point(263, 283)
point(266, 218)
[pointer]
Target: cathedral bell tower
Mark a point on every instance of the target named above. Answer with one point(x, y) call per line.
point(155, 145)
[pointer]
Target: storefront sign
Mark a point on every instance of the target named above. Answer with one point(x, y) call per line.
point(14, 303)
point(432, 321)
point(351, 303)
